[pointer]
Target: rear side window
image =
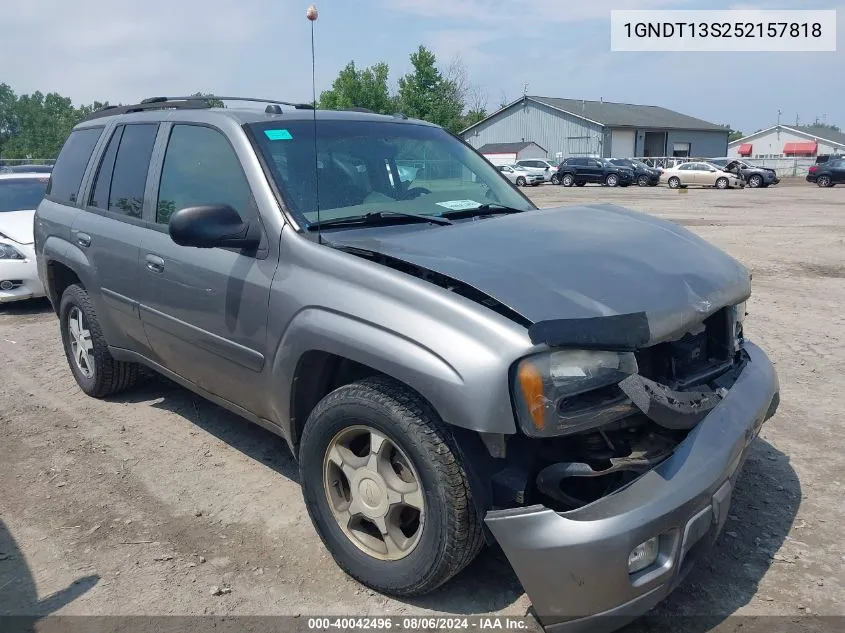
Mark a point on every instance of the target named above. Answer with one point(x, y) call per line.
point(201, 168)
point(71, 163)
point(102, 183)
point(129, 176)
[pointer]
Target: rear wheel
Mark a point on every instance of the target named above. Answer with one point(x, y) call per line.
point(96, 372)
point(568, 180)
point(722, 183)
point(612, 180)
point(824, 181)
point(385, 490)
point(674, 182)
point(520, 182)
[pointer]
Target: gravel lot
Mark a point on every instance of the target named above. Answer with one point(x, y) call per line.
point(144, 503)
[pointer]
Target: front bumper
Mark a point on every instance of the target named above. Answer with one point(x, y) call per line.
point(23, 273)
point(574, 565)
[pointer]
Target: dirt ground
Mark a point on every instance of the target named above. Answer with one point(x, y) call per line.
point(144, 503)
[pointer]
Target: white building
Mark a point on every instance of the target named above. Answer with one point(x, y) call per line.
point(509, 153)
point(788, 141)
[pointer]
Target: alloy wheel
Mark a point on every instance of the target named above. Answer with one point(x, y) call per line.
point(374, 493)
point(81, 346)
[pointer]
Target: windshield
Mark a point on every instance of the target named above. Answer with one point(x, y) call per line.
point(21, 194)
point(378, 166)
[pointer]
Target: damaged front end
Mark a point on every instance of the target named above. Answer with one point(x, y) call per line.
point(595, 420)
point(624, 471)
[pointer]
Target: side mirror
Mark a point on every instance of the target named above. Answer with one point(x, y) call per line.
point(210, 226)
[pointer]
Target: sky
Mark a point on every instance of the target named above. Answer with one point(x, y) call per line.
point(125, 51)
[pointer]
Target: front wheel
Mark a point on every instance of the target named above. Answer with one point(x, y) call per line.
point(96, 372)
point(722, 183)
point(555, 180)
point(568, 180)
point(520, 182)
point(642, 181)
point(612, 180)
point(755, 181)
point(385, 489)
point(674, 182)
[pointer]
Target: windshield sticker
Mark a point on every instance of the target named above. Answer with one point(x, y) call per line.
point(459, 205)
point(278, 135)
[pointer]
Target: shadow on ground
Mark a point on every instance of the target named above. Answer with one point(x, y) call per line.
point(18, 591)
point(763, 509)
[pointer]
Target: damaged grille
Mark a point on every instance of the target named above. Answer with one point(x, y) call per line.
point(702, 353)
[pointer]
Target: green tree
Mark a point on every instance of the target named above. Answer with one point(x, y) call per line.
point(825, 126)
point(734, 135)
point(426, 94)
point(41, 123)
point(364, 88)
point(214, 103)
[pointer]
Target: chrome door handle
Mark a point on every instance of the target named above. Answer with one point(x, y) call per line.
point(154, 263)
point(83, 239)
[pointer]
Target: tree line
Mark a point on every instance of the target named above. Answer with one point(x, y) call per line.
point(36, 125)
point(444, 96)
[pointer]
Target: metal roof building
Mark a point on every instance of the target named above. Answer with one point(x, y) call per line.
point(574, 127)
point(782, 141)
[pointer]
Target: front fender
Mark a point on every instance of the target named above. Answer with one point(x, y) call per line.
point(456, 397)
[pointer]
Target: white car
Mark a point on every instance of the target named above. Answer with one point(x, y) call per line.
point(697, 174)
point(521, 176)
point(20, 194)
point(540, 166)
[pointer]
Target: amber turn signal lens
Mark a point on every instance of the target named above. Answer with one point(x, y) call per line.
point(531, 384)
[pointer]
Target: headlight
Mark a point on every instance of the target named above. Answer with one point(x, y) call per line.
point(7, 251)
point(562, 392)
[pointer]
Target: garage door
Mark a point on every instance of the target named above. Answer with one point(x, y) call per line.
point(622, 143)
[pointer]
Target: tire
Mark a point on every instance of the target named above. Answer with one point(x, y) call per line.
point(568, 180)
point(450, 529)
point(612, 180)
point(722, 183)
point(674, 182)
point(520, 182)
point(824, 181)
point(755, 181)
point(642, 181)
point(555, 180)
point(105, 376)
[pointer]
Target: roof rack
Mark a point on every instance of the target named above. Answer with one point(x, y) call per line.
point(193, 102)
point(298, 106)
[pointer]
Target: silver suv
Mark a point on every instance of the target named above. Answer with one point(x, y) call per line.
point(450, 365)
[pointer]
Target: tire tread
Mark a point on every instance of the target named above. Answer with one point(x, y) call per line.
point(464, 536)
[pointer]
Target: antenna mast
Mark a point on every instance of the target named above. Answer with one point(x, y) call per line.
point(312, 16)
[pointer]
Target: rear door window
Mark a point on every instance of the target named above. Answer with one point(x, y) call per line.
point(66, 177)
point(129, 176)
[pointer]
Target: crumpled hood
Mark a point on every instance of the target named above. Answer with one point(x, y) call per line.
point(576, 263)
point(18, 226)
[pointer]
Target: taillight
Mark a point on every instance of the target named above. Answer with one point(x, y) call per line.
point(814, 169)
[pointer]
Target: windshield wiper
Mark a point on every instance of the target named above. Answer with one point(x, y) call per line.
point(379, 218)
point(484, 209)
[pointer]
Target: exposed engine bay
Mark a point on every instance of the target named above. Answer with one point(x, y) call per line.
point(626, 429)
